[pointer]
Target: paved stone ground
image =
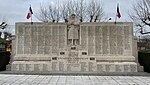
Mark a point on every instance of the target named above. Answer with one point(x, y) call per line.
point(11, 79)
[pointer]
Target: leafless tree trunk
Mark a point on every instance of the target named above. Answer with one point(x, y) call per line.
point(92, 11)
point(95, 11)
point(141, 15)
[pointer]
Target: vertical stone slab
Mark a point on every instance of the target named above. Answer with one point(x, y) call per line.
point(45, 68)
point(61, 66)
point(105, 42)
point(127, 68)
point(113, 40)
point(84, 66)
point(119, 68)
point(92, 66)
point(84, 37)
point(110, 68)
point(91, 39)
point(120, 45)
point(55, 66)
point(98, 40)
point(29, 67)
point(133, 68)
point(55, 40)
point(15, 67)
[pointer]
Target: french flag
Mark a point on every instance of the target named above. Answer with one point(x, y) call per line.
point(118, 12)
point(29, 13)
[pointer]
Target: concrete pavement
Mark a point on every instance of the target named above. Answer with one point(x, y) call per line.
point(13, 79)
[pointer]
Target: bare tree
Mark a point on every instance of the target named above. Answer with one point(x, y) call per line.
point(95, 11)
point(92, 11)
point(141, 15)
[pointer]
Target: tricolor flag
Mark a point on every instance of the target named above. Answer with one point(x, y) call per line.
point(29, 13)
point(118, 12)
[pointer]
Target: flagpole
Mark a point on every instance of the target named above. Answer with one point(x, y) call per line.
point(31, 20)
point(116, 19)
point(31, 16)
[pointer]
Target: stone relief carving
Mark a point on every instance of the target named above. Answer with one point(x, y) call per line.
point(73, 30)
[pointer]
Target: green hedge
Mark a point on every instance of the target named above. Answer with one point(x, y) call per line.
point(144, 60)
point(4, 60)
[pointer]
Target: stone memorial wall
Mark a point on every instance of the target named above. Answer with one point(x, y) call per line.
point(98, 47)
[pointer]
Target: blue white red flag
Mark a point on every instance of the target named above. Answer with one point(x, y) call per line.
point(29, 13)
point(118, 12)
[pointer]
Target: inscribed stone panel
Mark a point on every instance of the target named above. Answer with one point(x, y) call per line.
point(84, 37)
point(48, 30)
point(55, 40)
point(29, 67)
point(20, 31)
point(48, 40)
point(119, 68)
point(20, 49)
point(61, 66)
point(34, 40)
point(127, 37)
point(55, 66)
point(55, 30)
point(34, 30)
point(91, 30)
point(120, 40)
point(47, 50)
point(98, 40)
point(40, 49)
point(113, 50)
point(120, 50)
point(98, 45)
point(27, 40)
point(26, 49)
point(91, 41)
point(36, 67)
point(27, 30)
point(41, 40)
point(84, 66)
point(15, 67)
point(20, 39)
point(92, 66)
point(21, 67)
point(45, 67)
point(62, 41)
point(105, 40)
point(91, 50)
point(40, 30)
point(62, 30)
point(55, 50)
point(33, 49)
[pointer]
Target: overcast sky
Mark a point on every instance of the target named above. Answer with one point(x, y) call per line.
point(16, 10)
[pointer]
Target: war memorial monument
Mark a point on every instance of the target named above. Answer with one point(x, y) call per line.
point(75, 47)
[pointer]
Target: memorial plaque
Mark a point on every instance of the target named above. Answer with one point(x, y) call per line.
point(36, 67)
point(92, 66)
point(105, 43)
point(29, 67)
point(133, 68)
point(84, 37)
point(127, 68)
point(61, 66)
point(74, 47)
point(84, 66)
point(20, 49)
point(110, 68)
point(21, 67)
point(15, 67)
point(45, 67)
point(119, 68)
point(55, 66)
